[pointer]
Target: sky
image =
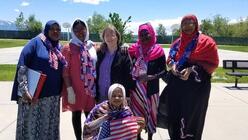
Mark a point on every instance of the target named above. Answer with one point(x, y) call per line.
point(166, 12)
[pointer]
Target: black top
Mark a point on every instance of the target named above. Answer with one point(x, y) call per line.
point(120, 70)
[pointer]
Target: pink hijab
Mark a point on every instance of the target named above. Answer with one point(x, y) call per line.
point(150, 50)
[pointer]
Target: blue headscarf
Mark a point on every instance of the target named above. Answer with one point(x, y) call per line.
point(46, 30)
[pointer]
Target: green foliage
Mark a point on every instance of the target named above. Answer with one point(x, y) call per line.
point(207, 27)
point(121, 26)
point(220, 27)
point(97, 23)
point(161, 31)
point(31, 24)
point(20, 22)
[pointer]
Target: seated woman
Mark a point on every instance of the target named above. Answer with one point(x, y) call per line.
point(114, 109)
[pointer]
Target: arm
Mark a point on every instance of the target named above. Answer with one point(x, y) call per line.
point(90, 126)
point(66, 75)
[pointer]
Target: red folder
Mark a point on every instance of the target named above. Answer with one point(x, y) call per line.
point(39, 86)
point(36, 80)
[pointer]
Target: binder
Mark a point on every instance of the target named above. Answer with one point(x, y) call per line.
point(36, 82)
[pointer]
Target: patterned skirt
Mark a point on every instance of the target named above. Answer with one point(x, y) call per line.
point(39, 121)
point(144, 106)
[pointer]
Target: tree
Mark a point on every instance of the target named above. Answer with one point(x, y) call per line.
point(121, 26)
point(33, 25)
point(97, 23)
point(221, 27)
point(20, 22)
point(207, 27)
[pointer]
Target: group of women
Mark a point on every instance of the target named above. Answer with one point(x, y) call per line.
point(97, 80)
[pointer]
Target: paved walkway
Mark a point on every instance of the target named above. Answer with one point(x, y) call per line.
point(11, 55)
point(226, 117)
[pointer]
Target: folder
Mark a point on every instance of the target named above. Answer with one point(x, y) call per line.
point(36, 82)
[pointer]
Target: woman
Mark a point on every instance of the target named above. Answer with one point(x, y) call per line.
point(79, 77)
point(149, 59)
point(112, 66)
point(113, 109)
point(192, 58)
point(40, 120)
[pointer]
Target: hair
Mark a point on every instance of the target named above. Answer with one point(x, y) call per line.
point(111, 27)
point(76, 22)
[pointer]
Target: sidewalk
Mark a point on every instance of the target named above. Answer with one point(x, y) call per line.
point(11, 55)
point(226, 117)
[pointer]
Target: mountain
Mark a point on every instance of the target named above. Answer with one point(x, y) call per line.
point(7, 25)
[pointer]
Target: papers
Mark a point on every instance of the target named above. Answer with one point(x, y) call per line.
point(36, 81)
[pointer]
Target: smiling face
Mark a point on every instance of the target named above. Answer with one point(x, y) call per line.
point(80, 31)
point(117, 97)
point(110, 37)
point(54, 32)
point(188, 26)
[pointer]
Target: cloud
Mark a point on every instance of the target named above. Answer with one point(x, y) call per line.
point(24, 3)
point(17, 10)
point(133, 26)
point(94, 2)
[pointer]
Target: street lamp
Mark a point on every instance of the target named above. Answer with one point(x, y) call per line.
point(67, 26)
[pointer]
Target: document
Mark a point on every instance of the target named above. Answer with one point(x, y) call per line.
point(35, 81)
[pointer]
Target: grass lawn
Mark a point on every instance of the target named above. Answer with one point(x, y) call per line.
point(7, 73)
point(9, 43)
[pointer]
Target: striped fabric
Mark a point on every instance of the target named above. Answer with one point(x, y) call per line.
point(124, 128)
point(145, 106)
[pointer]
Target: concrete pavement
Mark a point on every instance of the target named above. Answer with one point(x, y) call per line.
point(11, 55)
point(226, 117)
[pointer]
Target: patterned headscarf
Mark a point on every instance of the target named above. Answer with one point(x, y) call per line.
point(53, 46)
point(88, 68)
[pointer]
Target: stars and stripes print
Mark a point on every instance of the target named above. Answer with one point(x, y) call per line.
point(124, 129)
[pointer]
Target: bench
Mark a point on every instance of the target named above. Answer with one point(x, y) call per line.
point(236, 64)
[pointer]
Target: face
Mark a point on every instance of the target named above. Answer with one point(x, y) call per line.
point(80, 31)
point(188, 26)
point(145, 37)
point(117, 97)
point(54, 32)
point(110, 38)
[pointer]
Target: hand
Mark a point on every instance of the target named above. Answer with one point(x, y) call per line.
point(145, 77)
point(175, 71)
point(124, 48)
point(185, 73)
point(71, 95)
point(26, 97)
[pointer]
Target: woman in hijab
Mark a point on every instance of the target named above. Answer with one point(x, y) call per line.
point(149, 66)
point(79, 89)
point(40, 120)
point(112, 109)
point(192, 58)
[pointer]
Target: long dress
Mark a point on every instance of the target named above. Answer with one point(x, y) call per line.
point(40, 120)
point(84, 101)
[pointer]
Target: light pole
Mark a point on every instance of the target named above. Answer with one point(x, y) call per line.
point(67, 26)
